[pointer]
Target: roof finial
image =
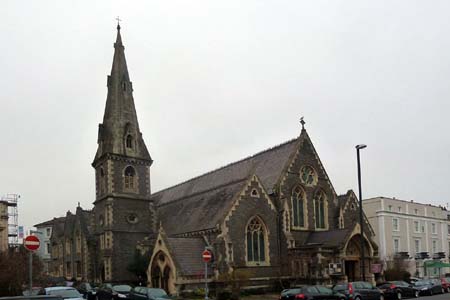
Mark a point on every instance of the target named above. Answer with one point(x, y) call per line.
point(118, 22)
point(303, 123)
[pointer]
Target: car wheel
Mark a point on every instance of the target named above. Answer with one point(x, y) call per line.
point(416, 294)
point(399, 295)
point(358, 298)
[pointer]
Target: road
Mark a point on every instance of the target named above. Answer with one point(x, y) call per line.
point(275, 297)
point(436, 297)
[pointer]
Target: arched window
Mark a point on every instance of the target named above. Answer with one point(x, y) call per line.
point(256, 241)
point(130, 175)
point(129, 141)
point(319, 209)
point(298, 202)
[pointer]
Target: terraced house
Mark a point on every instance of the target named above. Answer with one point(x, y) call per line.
point(271, 215)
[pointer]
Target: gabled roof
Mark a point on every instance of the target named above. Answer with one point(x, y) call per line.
point(267, 165)
point(187, 254)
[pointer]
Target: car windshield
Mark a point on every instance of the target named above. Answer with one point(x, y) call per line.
point(291, 292)
point(122, 288)
point(157, 292)
point(422, 282)
point(69, 293)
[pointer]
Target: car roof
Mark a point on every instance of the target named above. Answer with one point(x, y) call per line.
point(58, 288)
point(35, 297)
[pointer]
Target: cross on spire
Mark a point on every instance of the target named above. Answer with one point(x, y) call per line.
point(118, 22)
point(302, 122)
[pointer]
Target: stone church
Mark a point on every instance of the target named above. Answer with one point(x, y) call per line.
point(272, 216)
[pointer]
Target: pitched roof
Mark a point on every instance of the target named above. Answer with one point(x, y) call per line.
point(267, 165)
point(50, 222)
point(329, 238)
point(198, 211)
point(188, 255)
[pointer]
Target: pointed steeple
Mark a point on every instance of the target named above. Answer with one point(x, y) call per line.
point(119, 133)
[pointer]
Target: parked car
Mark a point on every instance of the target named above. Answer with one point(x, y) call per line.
point(38, 297)
point(445, 281)
point(315, 292)
point(64, 292)
point(86, 289)
point(429, 286)
point(359, 290)
point(398, 290)
point(109, 291)
point(145, 293)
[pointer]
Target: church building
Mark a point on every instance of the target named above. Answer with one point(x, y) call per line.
point(272, 216)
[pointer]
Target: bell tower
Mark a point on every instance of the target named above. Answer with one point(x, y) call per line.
point(123, 211)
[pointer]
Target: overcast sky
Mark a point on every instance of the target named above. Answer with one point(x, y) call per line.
point(216, 81)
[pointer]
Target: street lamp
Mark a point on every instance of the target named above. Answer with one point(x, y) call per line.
point(361, 219)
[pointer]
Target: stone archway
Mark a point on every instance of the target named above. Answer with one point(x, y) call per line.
point(162, 272)
point(352, 257)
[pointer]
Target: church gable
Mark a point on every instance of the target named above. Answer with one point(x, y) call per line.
point(307, 191)
point(250, 228)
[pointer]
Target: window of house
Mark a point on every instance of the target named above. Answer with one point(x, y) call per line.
point(416, 211)
point(129, 141)
point(130, 175)
point(308, 175)
point(390, 207)
point(49, 231)
point(433, 228)
point(319, 209)
point(396, 245)
point(448, 229)
point(256, 241)
point(399, 209)
point(434, 246)
point(395, 226)
point(416, 226)
point(417, 246)
point(47, 248)
point(423, 228)
point(298, 202)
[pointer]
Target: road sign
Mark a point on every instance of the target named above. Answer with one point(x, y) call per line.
point(31, 243)
point(206, 255)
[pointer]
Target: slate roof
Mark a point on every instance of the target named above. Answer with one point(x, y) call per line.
point(330, 238)
point(187, 253)
point(267, 165)
point(50, 222)
point(198, 211)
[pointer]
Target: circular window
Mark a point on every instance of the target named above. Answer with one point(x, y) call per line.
point(132, 219)
point(308, 176)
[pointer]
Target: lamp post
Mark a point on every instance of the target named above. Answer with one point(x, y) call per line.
point(361, 219)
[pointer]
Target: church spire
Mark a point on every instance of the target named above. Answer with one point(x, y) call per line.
point(119, 133)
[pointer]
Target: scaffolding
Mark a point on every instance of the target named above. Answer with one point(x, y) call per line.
point(13, 218)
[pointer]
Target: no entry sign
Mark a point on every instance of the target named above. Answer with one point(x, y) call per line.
point(206, 255)
point(31, 243)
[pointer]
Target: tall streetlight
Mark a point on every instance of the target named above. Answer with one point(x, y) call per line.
point(361, 219)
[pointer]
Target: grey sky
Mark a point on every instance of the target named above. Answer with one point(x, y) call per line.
point(216, 81)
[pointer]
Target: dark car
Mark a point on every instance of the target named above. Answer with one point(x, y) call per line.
point(315, 292)
point(398, 290)
point(145, 293)
point(108, 291)
point(429, 286)
point(359, 290)
point(38, 297)
point(86, 289)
